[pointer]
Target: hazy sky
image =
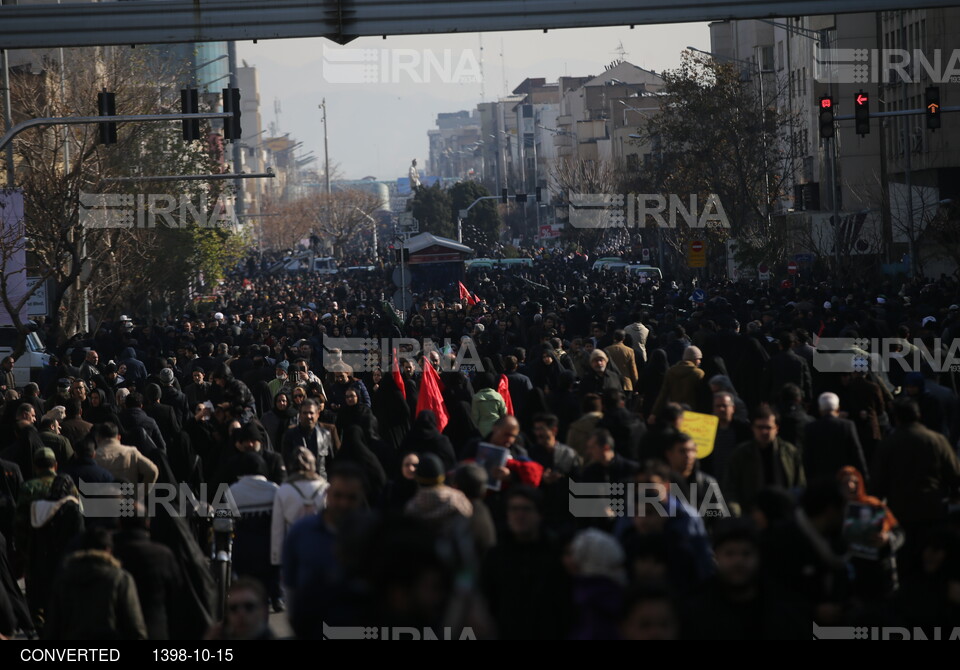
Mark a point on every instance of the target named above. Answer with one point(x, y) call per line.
point(375, 128)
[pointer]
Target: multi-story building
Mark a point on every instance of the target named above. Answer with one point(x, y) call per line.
point(455, 146)
point(598, 114)
point(886, 186)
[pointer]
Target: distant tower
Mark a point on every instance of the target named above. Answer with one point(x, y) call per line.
point(483, 94)
point(621, 53)
point(275, 126)
point(503, 68)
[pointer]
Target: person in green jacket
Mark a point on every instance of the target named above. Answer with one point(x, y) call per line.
point(488, 405)
point(766, 460)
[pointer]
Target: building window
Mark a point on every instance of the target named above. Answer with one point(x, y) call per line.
point(766, 59)
point(780, 55)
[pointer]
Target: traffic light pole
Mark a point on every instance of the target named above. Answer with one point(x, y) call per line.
point(270, 174)
point(120, 118)
point(905, 112)
point(834, 201)
point(464, 213)
point(8, 112)
point(237, 151)
point(914, 261)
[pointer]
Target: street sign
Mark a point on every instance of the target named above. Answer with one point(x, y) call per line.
point(403, 299)
point(803, 258)
point(763, 272)
point(401, 279)
point(792, 267)
point(37, 305)
point(698, 295)
point(407, 224)
point(645, 254)
point(696, 254)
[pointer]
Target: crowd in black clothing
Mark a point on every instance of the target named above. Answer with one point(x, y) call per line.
point(445, 490)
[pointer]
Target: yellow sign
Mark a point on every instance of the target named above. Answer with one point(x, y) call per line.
point(703, 429)
point(696, 254)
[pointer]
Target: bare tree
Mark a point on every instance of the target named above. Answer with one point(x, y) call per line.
point(339, 219)
point(57, 166)
point(715, 135)
point(577, 178)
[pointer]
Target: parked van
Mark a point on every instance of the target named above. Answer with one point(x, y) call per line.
point(602, 263)
point(27, 368)
point(325, 266)
point(647, 271)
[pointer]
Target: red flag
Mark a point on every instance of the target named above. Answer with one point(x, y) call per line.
point(503, 388)
point(530, 473)
point(397, 377)
point(430, 395)
point(466, 295)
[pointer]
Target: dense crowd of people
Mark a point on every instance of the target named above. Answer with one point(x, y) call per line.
point(435, 485)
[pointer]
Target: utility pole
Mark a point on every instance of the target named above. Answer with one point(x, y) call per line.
point(835, 187)
point(237, 151)
point(326, 153)
point(7, 114)
point(907, 149)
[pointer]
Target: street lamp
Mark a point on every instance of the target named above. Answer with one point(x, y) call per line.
point(373, 225)
point(210, 62)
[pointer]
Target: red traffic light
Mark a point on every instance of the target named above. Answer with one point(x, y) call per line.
point(862, 99)
point(826, 103)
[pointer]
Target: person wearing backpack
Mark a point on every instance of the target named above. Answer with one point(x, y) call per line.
point(301, 495)
point(48, 520)
point(253, 494)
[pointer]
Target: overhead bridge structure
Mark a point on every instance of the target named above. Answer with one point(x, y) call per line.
point(37, 26)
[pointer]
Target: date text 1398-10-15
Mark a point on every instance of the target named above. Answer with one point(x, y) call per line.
point(198, 654)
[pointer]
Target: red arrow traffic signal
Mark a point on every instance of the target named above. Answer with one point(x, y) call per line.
point(932, 100)
point(861, 114)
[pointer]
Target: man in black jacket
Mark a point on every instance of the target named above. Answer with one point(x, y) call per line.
point(154, 570)
point(730, 432)
point(700, 489)
point(171, 397)
point(626, 427)
point(83, 468)
point(165, 416)
point(830, 442)
point(522, 577)
point(601, 377)
point(604, 464)
point(785, 368)
point(133, 419)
